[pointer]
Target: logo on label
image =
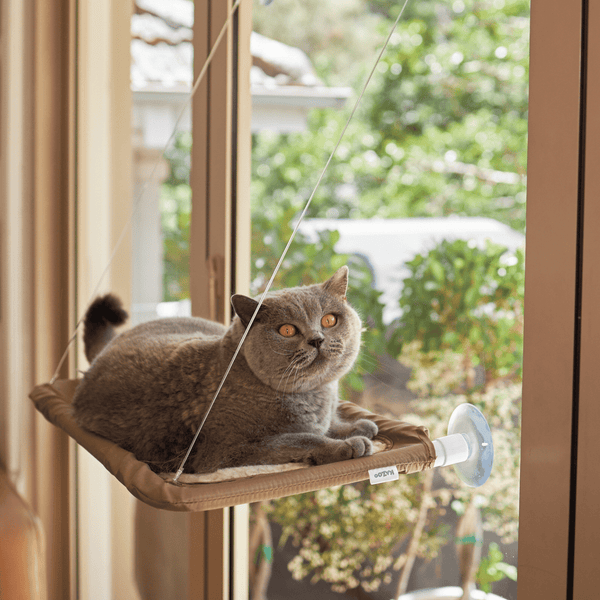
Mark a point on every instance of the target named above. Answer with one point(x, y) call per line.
point(383, 474)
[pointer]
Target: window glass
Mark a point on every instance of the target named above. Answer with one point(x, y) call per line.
point(425, 201)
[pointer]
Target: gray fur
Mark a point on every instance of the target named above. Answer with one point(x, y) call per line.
point(148, 388)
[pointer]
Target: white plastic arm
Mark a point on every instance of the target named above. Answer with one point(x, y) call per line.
point(451, 450)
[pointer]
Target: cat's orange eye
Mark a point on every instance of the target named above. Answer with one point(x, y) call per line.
point(287, 330)
point(329, 320)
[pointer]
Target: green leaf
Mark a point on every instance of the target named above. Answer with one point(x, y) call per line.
point(437, 270)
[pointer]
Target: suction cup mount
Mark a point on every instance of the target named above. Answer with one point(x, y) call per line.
point(468, 446)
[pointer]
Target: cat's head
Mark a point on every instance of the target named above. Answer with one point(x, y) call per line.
point(302, 338)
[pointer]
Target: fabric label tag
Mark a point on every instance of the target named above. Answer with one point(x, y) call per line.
point(383, 474)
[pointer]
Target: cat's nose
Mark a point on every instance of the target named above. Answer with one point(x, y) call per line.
point(317, 340)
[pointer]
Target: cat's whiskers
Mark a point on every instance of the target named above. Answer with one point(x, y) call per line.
point(308, 358)
point(294, 388)
point(293, 370)
point(289, 368)
point(293, 363)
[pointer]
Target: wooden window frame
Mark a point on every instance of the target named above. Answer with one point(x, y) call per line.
point(559, 516)
point(220, 250)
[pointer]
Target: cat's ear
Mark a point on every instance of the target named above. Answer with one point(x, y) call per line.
point(338, 284)
point(244, 308)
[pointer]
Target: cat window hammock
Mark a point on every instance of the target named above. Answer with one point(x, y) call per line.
point(399, 445)
point(404, 446)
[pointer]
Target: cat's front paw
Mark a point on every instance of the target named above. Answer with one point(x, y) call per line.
point(360, 445)
point(365, 427)
point(337, 450)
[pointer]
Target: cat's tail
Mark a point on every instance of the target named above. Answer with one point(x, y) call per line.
point(104, 314)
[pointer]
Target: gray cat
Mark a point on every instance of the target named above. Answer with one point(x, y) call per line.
point(148, 388)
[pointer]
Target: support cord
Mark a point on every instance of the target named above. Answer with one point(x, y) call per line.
point(302, 215)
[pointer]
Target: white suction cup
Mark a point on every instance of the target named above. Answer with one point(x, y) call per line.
point(468, 446)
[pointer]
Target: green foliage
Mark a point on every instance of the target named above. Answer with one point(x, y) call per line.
point(350, 535)
point(450, 101)
point(442, 128)
point(449, 62)
point(492, 568)
point(467, 300)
